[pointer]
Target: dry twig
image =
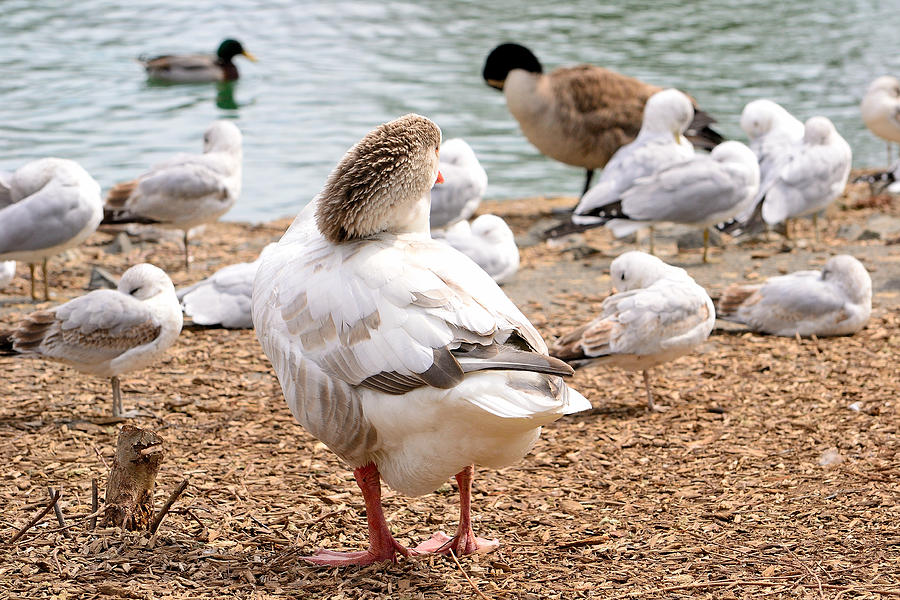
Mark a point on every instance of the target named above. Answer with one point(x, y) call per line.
point(53, 500)
point(154, 525)
point(466, 575)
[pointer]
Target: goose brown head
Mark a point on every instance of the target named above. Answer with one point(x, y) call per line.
point(379, 182)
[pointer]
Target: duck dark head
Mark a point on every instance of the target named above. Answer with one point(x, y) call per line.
point(380, 180)
point(230, 48)
point(506, 57)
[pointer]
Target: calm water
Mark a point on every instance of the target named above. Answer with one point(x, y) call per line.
point(329, 71)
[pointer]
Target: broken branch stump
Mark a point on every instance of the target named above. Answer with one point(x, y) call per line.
point(129, 492)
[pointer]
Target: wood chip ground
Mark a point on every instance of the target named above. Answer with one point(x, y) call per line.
point(774, 473)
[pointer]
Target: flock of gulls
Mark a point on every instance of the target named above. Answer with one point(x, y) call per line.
point(380, 308)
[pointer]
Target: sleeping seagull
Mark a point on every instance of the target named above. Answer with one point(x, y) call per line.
point(834, 301)
point(465, 181)
point(223, 298)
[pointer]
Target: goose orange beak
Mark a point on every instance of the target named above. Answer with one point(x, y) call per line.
point(440, 178)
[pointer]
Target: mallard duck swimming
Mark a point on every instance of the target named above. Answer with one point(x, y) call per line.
point(197, 68)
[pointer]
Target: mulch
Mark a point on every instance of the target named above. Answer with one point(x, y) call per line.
point(774, 471)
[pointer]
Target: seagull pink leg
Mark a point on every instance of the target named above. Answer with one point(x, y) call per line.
point(465, 541)
point(382, 545)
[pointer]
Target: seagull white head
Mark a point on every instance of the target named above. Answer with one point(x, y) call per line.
point(668, 111)
point(850, 275)
point(885, 85)
point(380, 183)
point(761, 116)
point(222, 136)
point(144, 281)
point(818, 131)
point(492, 228)
point(636, 270)
point(733, 152)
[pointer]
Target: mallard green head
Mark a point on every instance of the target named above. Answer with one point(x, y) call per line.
point(230, 48)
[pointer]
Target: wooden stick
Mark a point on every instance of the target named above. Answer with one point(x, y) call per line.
point(95, 503)
point(132, 476)
point(466, 575)
point(53, 500)
point(154, 525)
point(58, 510)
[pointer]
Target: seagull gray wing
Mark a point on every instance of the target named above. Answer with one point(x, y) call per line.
point(90, 329)
point(51, 216)
point(684, 193)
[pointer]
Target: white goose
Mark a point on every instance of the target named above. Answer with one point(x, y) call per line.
point(465, 183)
point(186, 191)
point(106, 332)
point(659, 315)
point(395, 350)
point(46, 207)
point(834, 301)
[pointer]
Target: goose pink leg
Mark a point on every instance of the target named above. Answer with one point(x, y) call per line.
point(465, 541)
point(382, 545)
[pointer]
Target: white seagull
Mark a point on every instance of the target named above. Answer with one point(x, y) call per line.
point(810, 179)
point(186, 191)
point(465, 181)
point(775, 135)
point(834, 301)
point(106, 332)
point(708, 189)
point(770, 128)
point(661, 314)
point(881, 110)
point(658, 145)
point(46, 207)
point(397, 351)
point(223, 298)
point(488, 241)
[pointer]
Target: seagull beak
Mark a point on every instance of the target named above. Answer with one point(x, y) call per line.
point(678, 138)
point(440, 178)
point(249, 56)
